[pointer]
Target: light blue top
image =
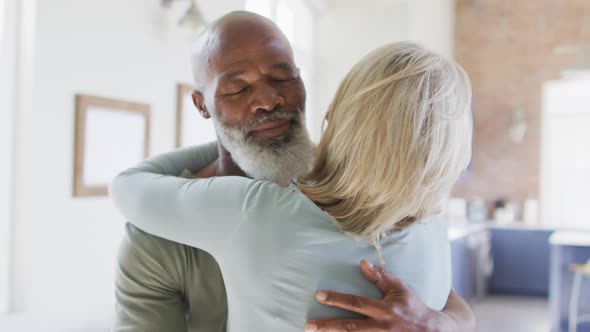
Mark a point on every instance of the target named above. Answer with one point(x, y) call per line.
point(275, 247)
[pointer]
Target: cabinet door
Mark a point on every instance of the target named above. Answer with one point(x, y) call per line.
point(521, 262)
point(462, 269)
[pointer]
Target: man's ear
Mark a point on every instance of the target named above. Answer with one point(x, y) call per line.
point(199, 102)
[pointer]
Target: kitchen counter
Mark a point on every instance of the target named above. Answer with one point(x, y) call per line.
point(459, 232)
point(520, 226)
point(570, 238)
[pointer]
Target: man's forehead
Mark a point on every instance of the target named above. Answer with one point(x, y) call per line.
point(269, 45)
point(233, 60)
point(241, 69)
point(233, 43)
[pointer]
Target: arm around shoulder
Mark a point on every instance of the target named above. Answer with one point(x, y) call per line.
point(201, 213)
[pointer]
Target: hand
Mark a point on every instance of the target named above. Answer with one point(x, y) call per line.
point(399, 311)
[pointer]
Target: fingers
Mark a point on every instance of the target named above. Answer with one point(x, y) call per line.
point(359, 304)
point(343, 325)
point(370, 272)
point(384, 281)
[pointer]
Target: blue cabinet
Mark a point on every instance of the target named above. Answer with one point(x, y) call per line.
point(471, 260)
point(462, 269)
point(521, 262)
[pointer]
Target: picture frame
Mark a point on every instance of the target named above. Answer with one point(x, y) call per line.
point(191, 127)
point(110, 135)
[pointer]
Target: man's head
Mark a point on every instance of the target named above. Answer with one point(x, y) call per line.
point(247, 82)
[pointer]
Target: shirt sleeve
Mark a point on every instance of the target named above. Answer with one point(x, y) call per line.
point(202, 213)
point(147, 291)
point(193, 159)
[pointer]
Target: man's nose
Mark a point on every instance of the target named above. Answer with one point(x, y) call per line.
point(266, 99)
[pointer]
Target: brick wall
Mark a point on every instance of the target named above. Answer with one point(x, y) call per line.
point(510, 48)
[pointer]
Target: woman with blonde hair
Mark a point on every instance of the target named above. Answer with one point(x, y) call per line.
point(398, 137)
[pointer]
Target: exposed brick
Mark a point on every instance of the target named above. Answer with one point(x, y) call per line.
point(507, 48)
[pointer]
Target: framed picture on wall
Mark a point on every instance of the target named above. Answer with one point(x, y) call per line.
point(191, 127)
point(111, 135)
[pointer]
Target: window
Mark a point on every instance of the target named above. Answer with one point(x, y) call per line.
point(285, 19)
point(565, 161)
point(296, 20)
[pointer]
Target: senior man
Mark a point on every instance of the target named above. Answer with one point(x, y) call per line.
point(243, 65)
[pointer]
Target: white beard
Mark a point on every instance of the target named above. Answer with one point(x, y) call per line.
point(273, 159)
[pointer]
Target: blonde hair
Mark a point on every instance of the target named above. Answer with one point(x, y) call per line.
point(398, 137)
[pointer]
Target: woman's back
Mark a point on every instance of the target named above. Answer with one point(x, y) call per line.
point(286, 249)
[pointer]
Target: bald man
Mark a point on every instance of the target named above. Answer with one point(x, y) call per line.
point(243, 65)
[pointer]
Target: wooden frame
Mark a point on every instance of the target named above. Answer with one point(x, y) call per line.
point(101, 108)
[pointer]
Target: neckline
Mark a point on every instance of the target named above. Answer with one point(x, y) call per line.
point(324, 215)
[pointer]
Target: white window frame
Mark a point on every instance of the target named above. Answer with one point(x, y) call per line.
point(303, 43)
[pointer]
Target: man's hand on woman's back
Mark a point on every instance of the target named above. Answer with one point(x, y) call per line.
point(399, 311)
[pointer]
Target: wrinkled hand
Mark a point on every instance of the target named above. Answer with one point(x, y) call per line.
point(399, 311)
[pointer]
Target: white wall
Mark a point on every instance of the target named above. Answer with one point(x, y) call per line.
point(66, 248)
point(345, 33)
point(432, 24)
point(7, 81)
point(300, 28)
point(347, 30)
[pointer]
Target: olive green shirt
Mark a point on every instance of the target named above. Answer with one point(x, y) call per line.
point(166, 286)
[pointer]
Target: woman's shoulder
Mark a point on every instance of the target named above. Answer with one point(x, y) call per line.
point(252, 189)
point(420, 256)
point(425, 241)
point(434, 227)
